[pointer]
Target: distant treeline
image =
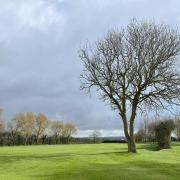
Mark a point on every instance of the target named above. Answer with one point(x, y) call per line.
point(28, 128)
point(97, 139)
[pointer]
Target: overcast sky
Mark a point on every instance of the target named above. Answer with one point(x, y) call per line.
point(39, 63)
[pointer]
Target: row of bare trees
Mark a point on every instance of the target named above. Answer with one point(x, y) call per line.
point(28, 128)
point(146, 131)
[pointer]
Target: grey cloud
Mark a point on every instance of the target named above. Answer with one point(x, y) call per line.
point(39, 44)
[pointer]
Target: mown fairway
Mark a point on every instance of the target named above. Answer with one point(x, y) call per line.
point(88, 162)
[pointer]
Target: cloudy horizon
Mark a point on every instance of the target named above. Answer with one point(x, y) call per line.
point(40, 67)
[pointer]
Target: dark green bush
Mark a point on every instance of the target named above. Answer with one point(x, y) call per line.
point(163, 133)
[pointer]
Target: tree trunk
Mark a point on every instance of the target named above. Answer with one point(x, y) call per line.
point(131, 145)
point(131, 141)
point(129, 137)
point(56, 139)
point(37, 138)
point(129, 130)
point(26, 140)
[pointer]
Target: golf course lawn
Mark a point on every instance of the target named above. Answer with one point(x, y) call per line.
point(88, 162)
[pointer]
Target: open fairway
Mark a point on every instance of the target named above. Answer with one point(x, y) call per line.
point(88, 162)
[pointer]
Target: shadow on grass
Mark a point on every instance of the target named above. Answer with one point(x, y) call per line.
point(61, 156)
point(175, 143)
point(10, 158)
point(149, 147)
point(154, 147)
point(127, 170)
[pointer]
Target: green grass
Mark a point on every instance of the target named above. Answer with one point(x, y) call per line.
point(88, 162)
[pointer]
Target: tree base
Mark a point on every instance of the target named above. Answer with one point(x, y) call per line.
point(131, 147)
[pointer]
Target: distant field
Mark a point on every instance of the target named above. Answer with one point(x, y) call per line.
point(88, 162)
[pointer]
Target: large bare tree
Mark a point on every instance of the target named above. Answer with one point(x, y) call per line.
point(133, 68)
